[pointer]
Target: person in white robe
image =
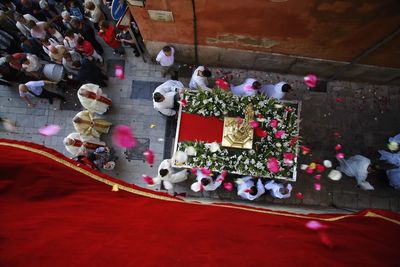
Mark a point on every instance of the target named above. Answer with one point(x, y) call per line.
point(394, 177)
point(276, 91)
point(166, 96)
point(206, 183)
point(168, 176)
point(278, 190)
point(250, 87)
point(359, 167)
point(392, 158)
point(77, 144)
point(199, 79)
point(86, 123)
point(92, 98)
point(247, 189)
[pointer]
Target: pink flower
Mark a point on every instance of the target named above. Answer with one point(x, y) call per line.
point(320, 167)
point(288, 156)
point(288, 109)
point(222, 84)
point(123, 137)
point(305, 150)
point(261, 132)
point(148, 179)
point(273, 165)
point(206, 171)
point(317, 186)
point(193, 170)
point(310, 80)
point(49, 130)
point(338, 147)
point(228, 186)
point(254, 124)
point(279, 134)
point(309, 170)
point(340, 155)
point(273, 123)
point(293, 141)
point(149, 156)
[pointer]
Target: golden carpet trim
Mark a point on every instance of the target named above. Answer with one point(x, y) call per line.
point(165, 198)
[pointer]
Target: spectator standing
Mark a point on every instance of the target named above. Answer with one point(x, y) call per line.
point(22, 23)
point(86, 48)
point(36, 89)
point(166, 59)
point(87, 33)
point(107, 32)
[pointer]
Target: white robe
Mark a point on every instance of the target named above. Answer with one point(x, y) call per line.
point(275, 189)
point(74, 150)
point(93, 105)
point(392, 158)
point(210, 187)
point(243, 90)
point(172, 177)
point(197, 81)
point(273, 91)
point(394, 177)
point(168, 90)
point(247, 184)
point(356, 166)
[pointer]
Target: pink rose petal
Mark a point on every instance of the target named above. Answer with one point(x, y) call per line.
point(49, 130)
point(338, 147)
point(279, 134)
point(315, 225)
point(320, 167)
point(193, 170)
point(149, 156)
point(228, 186)
point(273, 123)
point(148, 179)
point(309, 170)
point(340, 155)
point(311, 80)
point(254, 124)
point(317, 186)
point(300, 195)
point(273, 165)
point(288, 156)
point(183, 102)
point(119, 72)
point(123, 137)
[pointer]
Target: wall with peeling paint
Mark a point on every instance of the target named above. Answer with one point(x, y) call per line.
point(336, 30)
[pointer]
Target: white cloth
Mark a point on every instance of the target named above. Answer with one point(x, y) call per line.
point(273, 91)
point(93, 105)
point(76, 151)
point(275, 189)
point(41, 33)
point(247, 184)
point(356, 166)
point(34, 63)
point(245, 88)
point(164, 60)
point(394, 177)
point(172, 177)
point(197, 81)
point(168, 90)
point(392, 158)
point(196, 187)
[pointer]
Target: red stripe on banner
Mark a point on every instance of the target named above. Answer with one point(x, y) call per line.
point(194, 127)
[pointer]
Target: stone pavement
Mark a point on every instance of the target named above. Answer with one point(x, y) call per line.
point(365, 115)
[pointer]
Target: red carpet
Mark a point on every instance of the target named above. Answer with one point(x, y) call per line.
point(198, 128)
point(54, 213)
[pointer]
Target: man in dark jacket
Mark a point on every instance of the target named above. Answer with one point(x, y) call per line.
point(89, 72)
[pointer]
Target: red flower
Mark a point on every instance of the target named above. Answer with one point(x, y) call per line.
point(288, 109)
point(273, 123)
point(288, 156)
point(261, 132)
point(279, 134)
point(305, 150)
point(320, 168)
point(293, 141)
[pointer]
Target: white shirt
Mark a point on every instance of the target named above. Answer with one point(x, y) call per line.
point(34, 63)
point(244, 89)
point(197, 81)
point(275, 187)
point(247, 184)
point(164, 60)
point(273, 91)
point(210, 187)
point(34, 86)
point(168, 89)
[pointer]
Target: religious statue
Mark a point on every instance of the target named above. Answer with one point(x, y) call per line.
point(239, 133)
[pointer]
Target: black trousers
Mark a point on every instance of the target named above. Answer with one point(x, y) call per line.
point(50, 95)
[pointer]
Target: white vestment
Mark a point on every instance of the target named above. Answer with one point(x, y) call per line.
point(247, 184)
point(93, 105)
point(172, 177)
point(75, 150)
point(273, 91)
point(244, 89)
point(392, 158)
point(168, 90)
point(394, 177)
point(275, 189)
point(197, 81)
point(196, 187)
point(356, 166)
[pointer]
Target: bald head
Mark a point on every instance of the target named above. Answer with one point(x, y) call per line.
point(23, 88)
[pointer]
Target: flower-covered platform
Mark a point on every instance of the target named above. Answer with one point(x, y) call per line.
point(201, 136)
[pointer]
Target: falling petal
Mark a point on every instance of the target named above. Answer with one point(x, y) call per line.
point(305, 150)
point(315, 225)
point(119, 72)
point(49, 130)
point(148, 180)
point(317, 186)
point(338, 147)
point(340, 155)
point(228, 186)
point(327, 163)
point(10, 125)
point(300, 195)
point(317, 177)
point(310, 80)
point(149, 156)
point(123, 137)
point(254, 124)
point(115, 188)
point(335, 175)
